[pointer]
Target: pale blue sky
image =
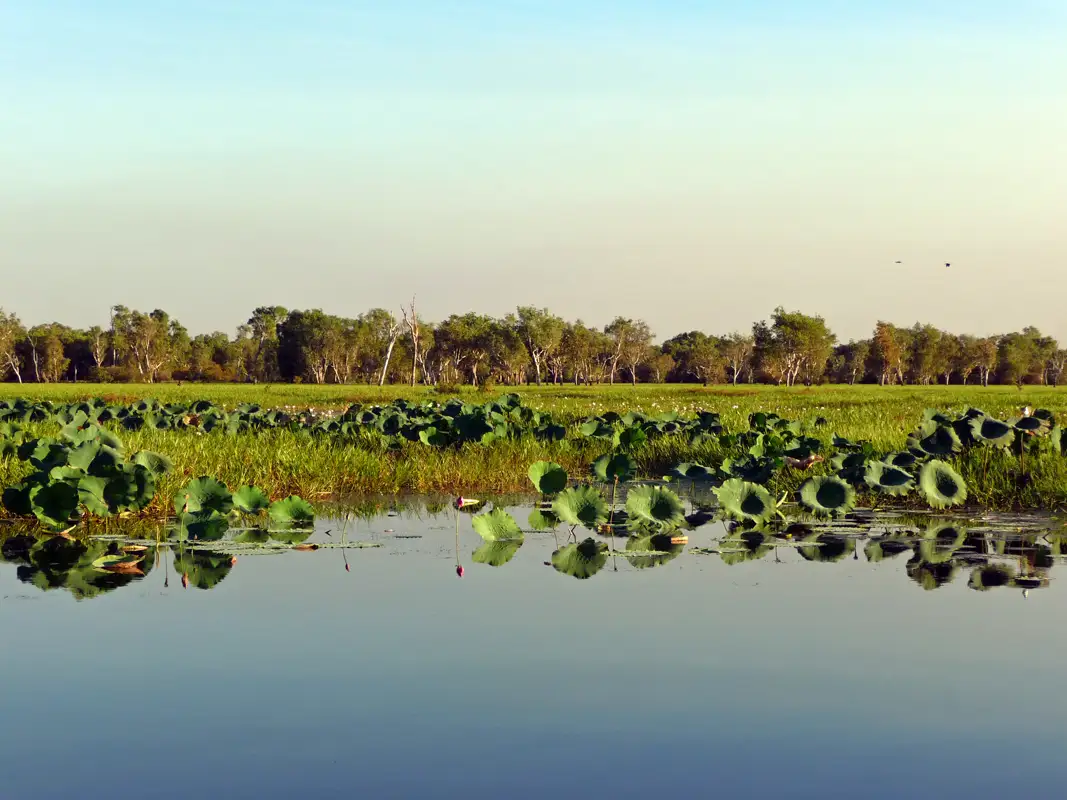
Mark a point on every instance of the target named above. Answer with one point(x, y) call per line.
point(692, 163)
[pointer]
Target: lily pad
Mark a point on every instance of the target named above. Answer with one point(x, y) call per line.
point(582, 560)
point(293, 511)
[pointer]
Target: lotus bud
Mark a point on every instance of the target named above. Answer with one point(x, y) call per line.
point(185, 580)
point(347, 568)
point(459, 570)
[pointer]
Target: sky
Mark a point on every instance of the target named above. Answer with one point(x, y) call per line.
point(694, 164)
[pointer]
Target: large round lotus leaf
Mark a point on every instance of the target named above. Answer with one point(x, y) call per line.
point(850, 467)
point(990, 431)
point(644, 552)
point(158, 465)
point(54, 504)
point(498, 553)
point(203, 494)
point(940, 543)
point(826, 496)
point(204, 570)
point(44, 453)
point(743, 500)
point(550, 432)
point(827, 548)
point(251, 500)
point(71, 475)
point(1046, 415)
point(618, 467)
point(990, 577)
point(293, 511)
point(931, 575)
point(693, 472)
point(497, 525)
point(542, 519)
point(123, 491)
point(941, 485)
point(753, 470)
point(252, 536)
point(888, 479)
point(17, 500)
point(548, 477)
point(935, 440)
point(581, 505)
point(208, 525)
point(582, 560)
point(629, 438)
point(1031, 425)
point(656, 505)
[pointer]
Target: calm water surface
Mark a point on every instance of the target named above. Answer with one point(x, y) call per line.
point(750, 672)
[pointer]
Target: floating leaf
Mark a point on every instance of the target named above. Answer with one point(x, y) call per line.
point(582, 560)
point(942, 485)
point(548, 477)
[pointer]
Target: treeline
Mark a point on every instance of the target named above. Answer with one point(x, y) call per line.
point(531, 345)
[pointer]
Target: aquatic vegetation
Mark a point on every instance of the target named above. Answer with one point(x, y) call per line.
point(941, 485)
point(744, 500)
point(826, 496)
point(581, 505)
point(581, 560)
point(548, 477)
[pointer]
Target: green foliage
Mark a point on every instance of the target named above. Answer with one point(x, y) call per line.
point(942, 485)
point(746, 501)
point(496, 525)
point(548, 477)
point(582, 560)
point(826, 496)
point(581, 505)
point(655, 505)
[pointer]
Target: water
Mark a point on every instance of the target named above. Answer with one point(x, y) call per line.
point(769, 677)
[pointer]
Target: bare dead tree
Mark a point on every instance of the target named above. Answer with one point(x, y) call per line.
point(394, 334)
point(411, 321)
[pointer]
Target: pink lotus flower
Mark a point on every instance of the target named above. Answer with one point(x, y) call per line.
point(459, 570)
point(464, 502)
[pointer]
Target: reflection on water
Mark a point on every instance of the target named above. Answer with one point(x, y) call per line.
point(991, 551)
point(398, 651)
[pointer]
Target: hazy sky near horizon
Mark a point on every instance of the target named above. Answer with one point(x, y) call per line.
point(692, 163)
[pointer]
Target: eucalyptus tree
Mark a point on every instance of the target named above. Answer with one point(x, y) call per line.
point(890, 353)
point(932, 354)
point(149, 342)
point(541, 333)
point(578, 352)
point(697, 356)
point(303, 346)
point(1023, 356)
point(793, 344)
point(630, 340)
point(851, 361)
point(262, 331)
point(463, 343)
point(509, 356)
point(11, 333)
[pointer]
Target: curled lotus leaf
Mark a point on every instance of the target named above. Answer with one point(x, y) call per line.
point(934, 439)
point(827, 548)
point(905, 460)
point(581, 505)
point(931, 575)
point(157, 464)
point(942, 485)
point(991, 431)
point(548, 477)
point(496, 525)
point(543, 519)
point(581, 560)
point(693, 472)
point(827, 496)
point(744, 500)
point(1034, 426)
point(657, 505)
point(888, 480)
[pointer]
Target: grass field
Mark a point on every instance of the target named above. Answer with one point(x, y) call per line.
point(284, 462)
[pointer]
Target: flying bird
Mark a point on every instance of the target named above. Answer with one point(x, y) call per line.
point(947, 264)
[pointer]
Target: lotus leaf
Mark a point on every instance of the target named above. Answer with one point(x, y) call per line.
point(158, 465)
point(652, 550)
point(251, 500)
point(614, 467)
point(542, 519)
point(656, 505)
point(990, 577)
point(581, 505)
point(827, 548)
point(888, 479)
point(827, 496)
point(54, 504)
point(548, 477)
point(935, 439)
point(203, 494)
point(204, 570)
point(693, 472)
point(293, 511)
point(207, 525)
point(496, 525)
point(630, 438)
point(990, 431)
point(941, 485)
point(743, 500)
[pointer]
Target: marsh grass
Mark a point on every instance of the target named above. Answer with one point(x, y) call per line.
point(283, 462)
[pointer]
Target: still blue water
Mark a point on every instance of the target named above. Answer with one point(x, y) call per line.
point(294, 677)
